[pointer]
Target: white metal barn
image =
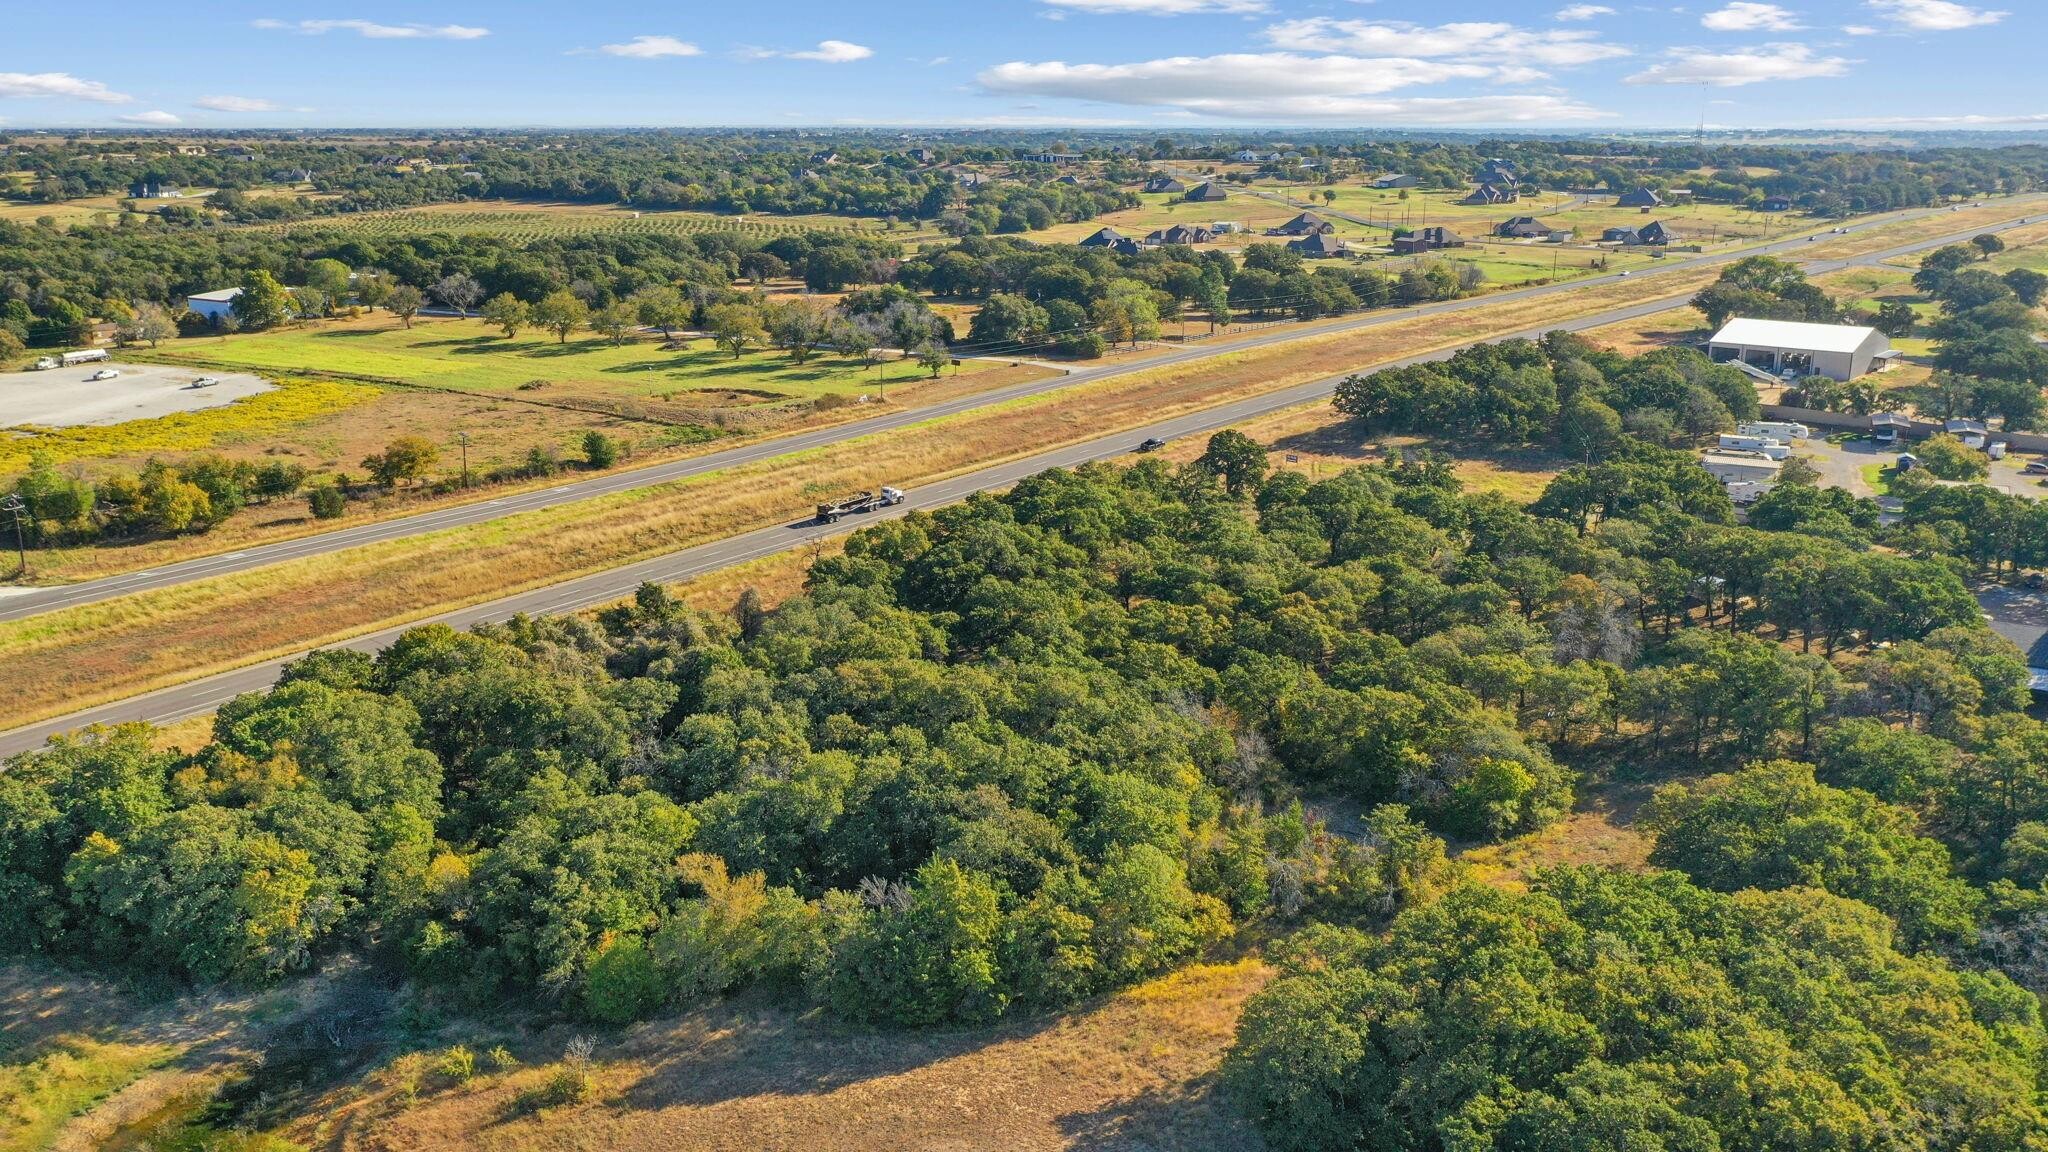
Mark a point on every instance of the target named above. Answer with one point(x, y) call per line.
point(1837, 351)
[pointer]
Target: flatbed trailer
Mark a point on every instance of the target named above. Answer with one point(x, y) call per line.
point(830, 513)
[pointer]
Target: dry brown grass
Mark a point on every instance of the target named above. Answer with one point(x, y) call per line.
point(1136, 1071)
point(1317, 442)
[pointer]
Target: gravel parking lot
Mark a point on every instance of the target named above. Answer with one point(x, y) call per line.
point(64, 397)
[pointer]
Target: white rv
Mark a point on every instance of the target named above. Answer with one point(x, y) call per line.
point(1761, 445)
point(1782, 430)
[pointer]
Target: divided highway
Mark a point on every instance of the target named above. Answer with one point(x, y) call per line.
point(204, 695)
point(17, 605)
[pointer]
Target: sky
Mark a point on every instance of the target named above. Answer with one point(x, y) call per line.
point(1536, 65)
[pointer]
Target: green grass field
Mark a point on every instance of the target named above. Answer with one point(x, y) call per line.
point(470, 356)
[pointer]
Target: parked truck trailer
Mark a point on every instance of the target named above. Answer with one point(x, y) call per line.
point(831, 511)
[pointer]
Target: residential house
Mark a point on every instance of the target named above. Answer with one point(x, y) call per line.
point(1319, 246)
point(1497, 171)
point(1306, 224)
point(1427, 240)
point(1206, 193)
point(1102, 238)
point(1164, 183)
point(1644, 198)
point(1180, 234)
point(826, 157)
point(1796, 349)
point(1247, 156)
point(152, 189)
point(1070, 181)
point(191, 150)
point(1396, 180)
point(922, 155)
point(1226, 227)
point(1651, 235)
point(1523, 228)
point(1492, 194)
point(1056, 157)
point(1776, 204)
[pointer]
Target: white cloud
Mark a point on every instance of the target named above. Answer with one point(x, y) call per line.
point(375, 31)
point(156, 119)
point(1935, 15)
point(1859, 30)
point(59, 85)
point(1163, 7)
point(234, 104)
point(1480, 42)
point(834, 52)
point(1284, 86)
point(1745, 16)
point(652, 48)
point(1969, 120)
point(1583, 11)
point(1747, 66)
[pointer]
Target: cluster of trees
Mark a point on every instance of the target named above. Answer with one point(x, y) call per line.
point(1079, 301)
point(1991, 365)
point(162, 499)
point(1561, 390)
point(1606, 1011)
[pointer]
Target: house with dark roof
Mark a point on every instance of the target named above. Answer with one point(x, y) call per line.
point(1497, 171)
point(1072, 181)
point(1396, 180)
point(1306, 224)
point(1102, 238)
point(1644, 198)
point(921, 155)
point(1319, 246)
point(1655, 233)
point(1208, 192)
point(1180, 234)
point(1056, 157)
point(1164, 183)
point(1776, 204)
point(1523, 228)
point(1127, 247)
point(1492, 194)
point(1427, 240)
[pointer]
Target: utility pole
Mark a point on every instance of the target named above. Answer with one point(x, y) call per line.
point(462, 438)
point(15, 506)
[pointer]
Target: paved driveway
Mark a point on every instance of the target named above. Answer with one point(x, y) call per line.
point(66, 397)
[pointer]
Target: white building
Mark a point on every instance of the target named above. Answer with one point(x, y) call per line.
point(1740, 467)
point(213, 305)
point(1837, 351)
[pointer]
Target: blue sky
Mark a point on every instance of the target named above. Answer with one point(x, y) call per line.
point(1165, 63)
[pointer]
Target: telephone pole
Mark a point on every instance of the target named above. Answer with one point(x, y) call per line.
point(462, 438)
point(15, 506)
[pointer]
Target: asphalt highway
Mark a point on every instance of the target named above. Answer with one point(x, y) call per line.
point(205, 695)
point(21, 604)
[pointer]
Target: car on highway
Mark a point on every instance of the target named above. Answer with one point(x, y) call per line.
point(105, 374)
point(1151, 444)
